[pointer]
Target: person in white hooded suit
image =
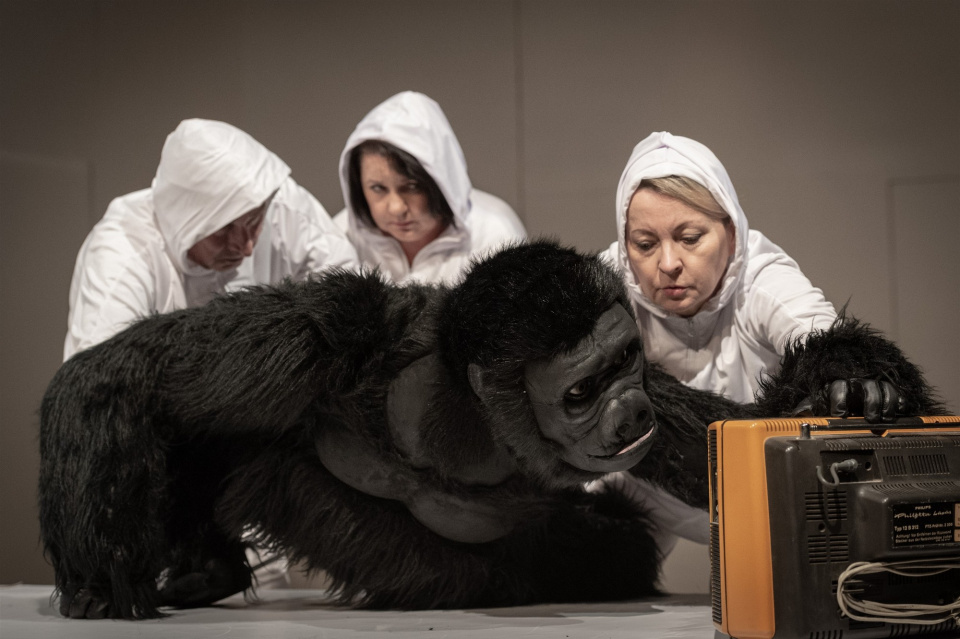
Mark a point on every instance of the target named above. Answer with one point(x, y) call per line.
point(411, 210)
point(222, 213)
point(717, 303)
point(723, 309)
point(762, 301)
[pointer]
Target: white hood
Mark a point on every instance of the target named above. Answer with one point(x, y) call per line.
point(660, 155)
point(413, 122)
point(210, 174)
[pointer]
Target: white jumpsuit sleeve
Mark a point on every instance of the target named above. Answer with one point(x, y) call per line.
point(784, 306)
point(113, 285)
point(670, 517)
point(313, 242)
point(496, 222)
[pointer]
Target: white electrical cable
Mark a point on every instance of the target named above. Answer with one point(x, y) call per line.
point(903, 613)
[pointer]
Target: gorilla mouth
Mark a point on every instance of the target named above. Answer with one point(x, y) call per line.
point(632, 446)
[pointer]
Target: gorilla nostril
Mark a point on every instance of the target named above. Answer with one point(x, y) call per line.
point(636, 428)
point(645, 421)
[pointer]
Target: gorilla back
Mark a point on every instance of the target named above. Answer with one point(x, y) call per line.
point(424, 446)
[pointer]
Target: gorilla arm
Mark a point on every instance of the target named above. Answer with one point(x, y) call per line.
point(823, 374)
point(256, 360)
point(469, 519)
point(678, 461)
point(845, 370)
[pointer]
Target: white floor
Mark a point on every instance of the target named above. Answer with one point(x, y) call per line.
point(26, 613)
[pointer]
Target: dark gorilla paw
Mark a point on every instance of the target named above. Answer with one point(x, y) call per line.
point(878, 401)
point(83, 604)
point(219, 578)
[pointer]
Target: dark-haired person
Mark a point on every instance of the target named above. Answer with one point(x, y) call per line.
point(411, 209)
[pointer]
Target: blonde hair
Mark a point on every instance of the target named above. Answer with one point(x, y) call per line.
point(688, 191)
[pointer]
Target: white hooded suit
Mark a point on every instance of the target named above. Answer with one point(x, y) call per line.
point(134, 262)
point(416, 124)
point(764, 301)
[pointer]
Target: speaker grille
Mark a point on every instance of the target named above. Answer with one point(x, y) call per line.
point(823, 549)
point(894, 465)
point(715, 596)
point(929, 464)
point(825, 506)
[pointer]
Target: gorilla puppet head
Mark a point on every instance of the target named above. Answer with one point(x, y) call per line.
point(543, 335)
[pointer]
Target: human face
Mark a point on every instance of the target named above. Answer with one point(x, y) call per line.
point(224, 249)
point(398, 205)
point(678, 254)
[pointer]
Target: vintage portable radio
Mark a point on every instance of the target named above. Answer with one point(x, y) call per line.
point(804, 508)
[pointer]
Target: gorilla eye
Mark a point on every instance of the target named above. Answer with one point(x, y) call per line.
point(580, 391)
point(622, 358)
point(627, 356)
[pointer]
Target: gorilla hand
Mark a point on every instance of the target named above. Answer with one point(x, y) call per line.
point(879, 401)
point(83, 604)
point(218, 579)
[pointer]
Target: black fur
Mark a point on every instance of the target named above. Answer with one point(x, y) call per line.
point(162, 444)
point(849, 349)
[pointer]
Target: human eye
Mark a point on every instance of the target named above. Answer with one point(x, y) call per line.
point(691, 239)
point(256, 220)
point(644, 245)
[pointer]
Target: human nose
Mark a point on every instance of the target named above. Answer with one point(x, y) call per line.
point(241, 239)
point(396, 205)
point(670, 262)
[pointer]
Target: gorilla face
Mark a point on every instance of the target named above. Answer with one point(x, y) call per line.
point(590, 400)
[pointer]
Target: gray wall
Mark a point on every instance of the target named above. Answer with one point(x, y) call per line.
point(839, 122)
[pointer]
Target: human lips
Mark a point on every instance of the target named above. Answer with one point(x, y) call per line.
point(674, 292)
point(405, 227)
point(229, 262)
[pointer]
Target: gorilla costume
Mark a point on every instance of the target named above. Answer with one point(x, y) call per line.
point(425, 446)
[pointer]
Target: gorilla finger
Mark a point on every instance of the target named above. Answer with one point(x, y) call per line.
point(804, 408)
point(98, 609)
point(838, 393)
point(891, 401)
point(873, 400)
point(79, 604)
point(184, 589)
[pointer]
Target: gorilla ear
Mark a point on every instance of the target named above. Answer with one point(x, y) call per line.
point(479, 378)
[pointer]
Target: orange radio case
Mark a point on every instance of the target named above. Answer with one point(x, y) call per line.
point(780, 537)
